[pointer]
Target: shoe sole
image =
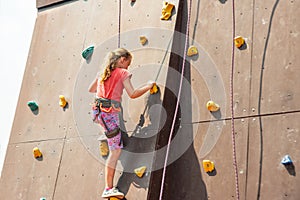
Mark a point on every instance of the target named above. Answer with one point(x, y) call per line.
point(113, 197)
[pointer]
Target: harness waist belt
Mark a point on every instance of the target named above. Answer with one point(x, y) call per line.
point(107, 103)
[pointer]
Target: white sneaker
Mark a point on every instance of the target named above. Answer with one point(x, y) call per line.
point(113, 192)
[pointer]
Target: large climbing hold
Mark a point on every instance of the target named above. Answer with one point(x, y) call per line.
point(140, 171)
point(166, 10)
point(87, 53)
point(192, 51)
point(286, 160)
point(239, 41)
point(32, 105)
point(212, 106)
point(208, 166)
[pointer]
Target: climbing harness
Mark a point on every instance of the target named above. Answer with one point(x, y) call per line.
point(178, 99)
point(232, 108)
point(106, 105)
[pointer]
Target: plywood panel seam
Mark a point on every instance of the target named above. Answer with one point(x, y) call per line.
point(245, 117)
point(59, 165)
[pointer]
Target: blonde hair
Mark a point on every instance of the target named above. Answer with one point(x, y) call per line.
point(111, 60)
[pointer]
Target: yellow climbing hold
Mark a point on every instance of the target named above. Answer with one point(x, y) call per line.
point(140, 171)
point(37, 153)
point(143, 40)
point(166, 10)
point(212, 106)
point(192, 51)
point(114, 198)
point(239, 41)
point(104, 148)
point(208, 165)
point(62, 101)
point(154, 89)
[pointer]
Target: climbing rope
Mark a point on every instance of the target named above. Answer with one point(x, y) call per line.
point(119, 27)
point(164, 58)
point(142, 119)
point(232, 109)
point(178, 100)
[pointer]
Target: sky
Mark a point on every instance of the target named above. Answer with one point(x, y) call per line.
point(17, 20)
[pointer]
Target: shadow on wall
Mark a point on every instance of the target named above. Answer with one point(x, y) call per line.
point(183, 177)
point(261, 151)
point(140, 142)
point(291, 169)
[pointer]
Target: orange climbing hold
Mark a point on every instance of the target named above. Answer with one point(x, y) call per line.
point(212, 106)
point(154, 89)
point(208, 165)
point(62, 101)
point(167, 10)
point(192, 51)
point(239, 41)
point(37, 153)
point(114, 198)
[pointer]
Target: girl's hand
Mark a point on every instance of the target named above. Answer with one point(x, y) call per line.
point(151, 84)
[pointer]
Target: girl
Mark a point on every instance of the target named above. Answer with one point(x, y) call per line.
point(109, 89)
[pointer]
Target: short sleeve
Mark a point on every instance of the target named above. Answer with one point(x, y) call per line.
point(125, 74)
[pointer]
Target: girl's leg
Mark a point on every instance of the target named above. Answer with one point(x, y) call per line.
point(110, 167)
point(115, 146)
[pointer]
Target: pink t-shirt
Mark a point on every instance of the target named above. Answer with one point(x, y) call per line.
point(113, 87)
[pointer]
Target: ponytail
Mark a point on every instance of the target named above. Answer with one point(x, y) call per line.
point(111, 60)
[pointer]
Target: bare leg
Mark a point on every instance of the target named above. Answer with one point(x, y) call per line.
point(110, 167)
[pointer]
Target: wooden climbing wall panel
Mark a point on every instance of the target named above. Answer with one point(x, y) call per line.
point(265, 93)
point(72, 167)
point(265, 96)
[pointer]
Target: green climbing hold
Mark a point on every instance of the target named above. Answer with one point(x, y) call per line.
point(86, 54)
point(32, 105)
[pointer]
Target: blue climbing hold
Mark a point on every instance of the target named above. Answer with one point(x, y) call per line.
point(286, 160)
point(86, 54)
point(32, 105)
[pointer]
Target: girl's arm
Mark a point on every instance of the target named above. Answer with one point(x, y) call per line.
point(134, 93)
point(93, 86)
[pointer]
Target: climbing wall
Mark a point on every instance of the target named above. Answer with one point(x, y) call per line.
point(265, 96)
point(71, 166)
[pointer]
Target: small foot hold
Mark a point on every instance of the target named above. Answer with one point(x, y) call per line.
point(114, 198)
